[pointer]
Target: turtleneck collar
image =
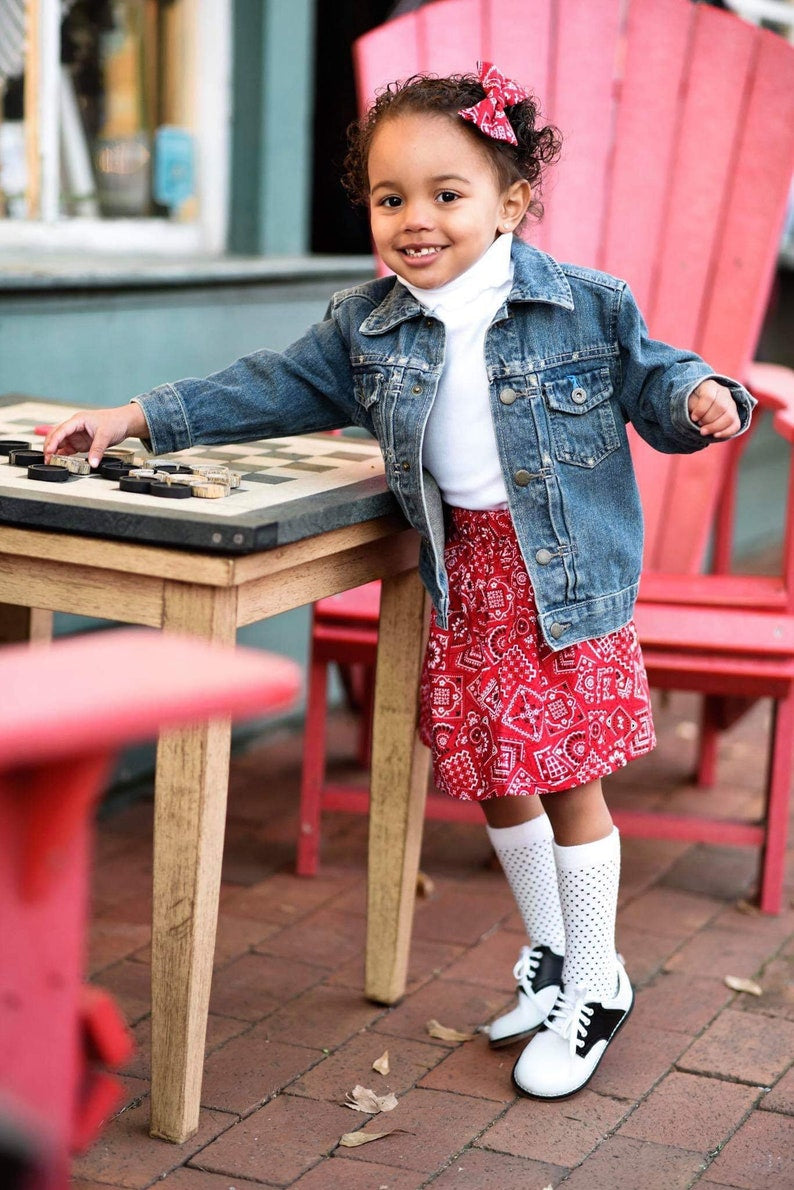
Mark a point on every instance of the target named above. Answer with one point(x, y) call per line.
point(492, 270)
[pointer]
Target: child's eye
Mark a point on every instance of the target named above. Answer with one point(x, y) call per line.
point(447, 196)
point(391, 201)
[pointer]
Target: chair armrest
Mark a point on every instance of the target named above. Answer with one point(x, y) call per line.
point(773, 387)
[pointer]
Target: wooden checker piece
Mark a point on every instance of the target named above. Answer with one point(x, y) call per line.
point(72, 463)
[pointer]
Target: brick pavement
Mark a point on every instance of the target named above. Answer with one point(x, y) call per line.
point(698, 1089)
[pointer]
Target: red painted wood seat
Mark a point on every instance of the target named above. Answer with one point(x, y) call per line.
point(65, 709)
point(678, 134)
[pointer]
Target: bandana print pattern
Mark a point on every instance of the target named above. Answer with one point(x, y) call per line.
point(502, 712)
point(489, 114)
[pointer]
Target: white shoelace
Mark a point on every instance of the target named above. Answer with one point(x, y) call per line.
point(570, 1017)
point(527, 965)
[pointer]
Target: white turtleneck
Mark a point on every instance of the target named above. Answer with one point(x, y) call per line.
point(459, 447)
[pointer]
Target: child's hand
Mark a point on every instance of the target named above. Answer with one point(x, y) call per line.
point(712, 407)
point(95, 430)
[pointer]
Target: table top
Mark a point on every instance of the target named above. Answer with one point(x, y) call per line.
point(290, 488)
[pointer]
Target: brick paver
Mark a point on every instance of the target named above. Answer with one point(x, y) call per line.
point(125, 1155)
point(280, 1141)
point(742, 1046)
point(697, 1090)
point(693, 1112)
point(475, 1069)
point(251, 1069)
point(681, 1003)
point(561, 1133)
point(781, 1097)
point(478, 1169)
point(433, 1126)
point(624, 1164)
point(760, 1156)
point(351, 1064)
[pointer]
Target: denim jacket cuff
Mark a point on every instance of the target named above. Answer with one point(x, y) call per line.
point(166, 418)
point(745, 404)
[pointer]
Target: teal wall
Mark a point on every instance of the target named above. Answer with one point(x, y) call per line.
point(94, 347)
point(272, 126)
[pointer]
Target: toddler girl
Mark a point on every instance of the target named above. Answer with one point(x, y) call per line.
point(498, 384)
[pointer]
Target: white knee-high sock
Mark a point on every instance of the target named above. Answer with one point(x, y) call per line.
point(588, 876)
point(527, 859)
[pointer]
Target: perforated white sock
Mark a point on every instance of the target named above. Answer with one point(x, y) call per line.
point(588, 876)
point(527, 859)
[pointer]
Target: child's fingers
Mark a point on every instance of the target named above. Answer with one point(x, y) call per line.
point(712, 408)
point(93, 431)
point(720, 421)
point(724, 426)
point(70, 436)
point(103, 438)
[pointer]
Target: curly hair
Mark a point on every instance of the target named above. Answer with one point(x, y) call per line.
point(429, 94)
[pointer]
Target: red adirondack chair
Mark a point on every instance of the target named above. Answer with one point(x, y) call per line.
point(678, 132)
point(65, 710)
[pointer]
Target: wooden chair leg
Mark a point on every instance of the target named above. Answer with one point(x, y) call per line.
point(313, 768)
point(770, 892)
point(708, 741)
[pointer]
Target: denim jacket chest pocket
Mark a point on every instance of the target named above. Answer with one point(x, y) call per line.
point(371, 388)
point(581, 419)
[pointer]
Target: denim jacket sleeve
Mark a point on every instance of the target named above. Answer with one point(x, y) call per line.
point(304, 389)
point(657, 381)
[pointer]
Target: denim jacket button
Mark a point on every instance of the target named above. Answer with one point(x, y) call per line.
point(406, 466)
point(417, 388)
point(578, 396)
point(544, 557)
point(522, 478)
point(507, 396)
point(557, 630)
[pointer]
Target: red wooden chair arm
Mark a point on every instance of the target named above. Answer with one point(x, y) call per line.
point(90, 694)
point(773, 387)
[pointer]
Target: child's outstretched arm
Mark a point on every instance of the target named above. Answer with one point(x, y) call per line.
point(712, 407)
point(95, 430)
point(672, 397)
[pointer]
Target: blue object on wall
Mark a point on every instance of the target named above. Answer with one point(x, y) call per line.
point(174, 166)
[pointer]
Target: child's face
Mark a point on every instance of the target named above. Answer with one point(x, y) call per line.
point(435, 202)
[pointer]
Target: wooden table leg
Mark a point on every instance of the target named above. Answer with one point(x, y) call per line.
point(191, 786)
point(398, 787)
point(19, 624)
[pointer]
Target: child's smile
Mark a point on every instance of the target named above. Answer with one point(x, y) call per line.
point(435, 202)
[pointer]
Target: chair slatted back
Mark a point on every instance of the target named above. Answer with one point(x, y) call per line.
point(678, 151)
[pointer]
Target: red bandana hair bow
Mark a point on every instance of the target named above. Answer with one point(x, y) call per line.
point(489, 114)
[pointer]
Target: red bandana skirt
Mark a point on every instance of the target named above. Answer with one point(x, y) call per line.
point(505, 715)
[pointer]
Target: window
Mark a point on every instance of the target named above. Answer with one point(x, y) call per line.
point(114, 124)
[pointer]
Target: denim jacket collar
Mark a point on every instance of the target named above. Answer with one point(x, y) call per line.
point(537, 278)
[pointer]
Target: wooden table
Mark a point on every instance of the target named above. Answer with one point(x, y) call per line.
point(210, 596)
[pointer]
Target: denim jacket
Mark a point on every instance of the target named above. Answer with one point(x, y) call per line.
point(569, 363)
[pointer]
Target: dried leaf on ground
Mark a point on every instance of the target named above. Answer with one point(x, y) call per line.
point(364, 1099)
point(443, 1033)
point(744, 985)
point(351, 1140)
point(381, 1064)
point(747, 907)
point(425, 886)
